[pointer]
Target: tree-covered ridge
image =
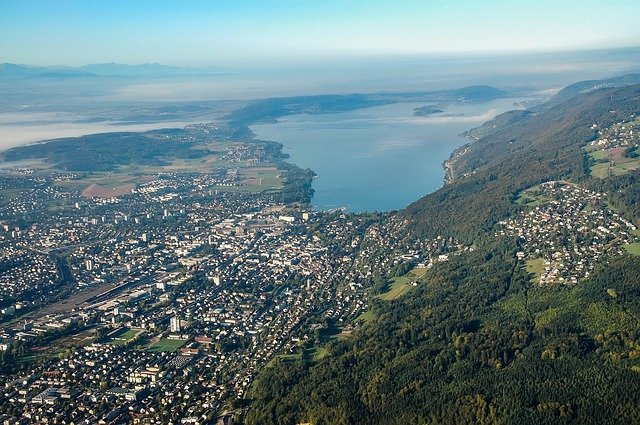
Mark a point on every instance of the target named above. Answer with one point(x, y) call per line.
point(476, 344)
point(104, 152)
point(477, 340)
point(528, 149)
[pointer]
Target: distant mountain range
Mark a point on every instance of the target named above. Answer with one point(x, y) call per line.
point(15, 71)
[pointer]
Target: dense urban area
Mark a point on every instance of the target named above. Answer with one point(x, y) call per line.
point(165, 301)
point(162, 299)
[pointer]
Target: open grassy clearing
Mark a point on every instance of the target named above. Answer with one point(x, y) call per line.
point(402, 284)
point(600, 155)
point(366, 317)
point(262, 177)
point(633, 248)
point(167, 345)
point(320, 353)
point(535, 266)
point(600, 171)
point(531, 197)
point(123, 336)
point(105, 183)
point(612, 162)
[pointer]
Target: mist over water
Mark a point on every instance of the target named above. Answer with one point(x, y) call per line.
point(13, 135)
point(34, 109)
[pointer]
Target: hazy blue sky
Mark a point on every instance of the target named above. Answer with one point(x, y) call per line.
point(236, 32)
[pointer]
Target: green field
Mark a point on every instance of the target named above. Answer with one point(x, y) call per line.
point(243, 189)
point(318, 353)
point(253, 178)
point(366, 317)
point(123, 336)
point(402, 284)
point(600, 155)
point(600, 171)
point(313, 354)
point(535, 266)
point(167, 345)
point(531, 197)
point(612, 162)
point(633, 248)
point(285, 358)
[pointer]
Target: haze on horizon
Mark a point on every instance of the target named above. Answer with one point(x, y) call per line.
point(243, 33)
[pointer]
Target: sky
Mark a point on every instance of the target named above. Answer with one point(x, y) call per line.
point(265, 33)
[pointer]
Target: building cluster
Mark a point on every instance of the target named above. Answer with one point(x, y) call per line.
point(25, 272)
point(620, 135)
point(163, 304)
point(570, 230)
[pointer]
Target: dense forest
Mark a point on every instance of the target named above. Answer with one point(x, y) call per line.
point(523, 149)
point(478, 342)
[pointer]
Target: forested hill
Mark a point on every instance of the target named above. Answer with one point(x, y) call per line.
point(593, 85)
point(538, 321)
point(515, 151)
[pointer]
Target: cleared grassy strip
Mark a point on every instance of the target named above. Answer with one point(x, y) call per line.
point(600, 171)
point(401, 285)
point(366, 317)
point(633, 248)
point(624, 166)
point(535, 266)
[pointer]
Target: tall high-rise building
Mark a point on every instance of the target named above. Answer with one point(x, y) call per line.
point(175, 324)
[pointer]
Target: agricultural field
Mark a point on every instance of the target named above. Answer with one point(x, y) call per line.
point(251, 178)
point(612, 161)
point(532, 197)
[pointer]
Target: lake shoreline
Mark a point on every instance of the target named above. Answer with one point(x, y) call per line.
point(424, 143)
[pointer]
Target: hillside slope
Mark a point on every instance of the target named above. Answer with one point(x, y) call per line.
point(479, 341)
point(519, 150)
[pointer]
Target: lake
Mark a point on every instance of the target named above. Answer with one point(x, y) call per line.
point(377, 159)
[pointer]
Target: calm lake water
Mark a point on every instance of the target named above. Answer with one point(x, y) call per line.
point(377, 159)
